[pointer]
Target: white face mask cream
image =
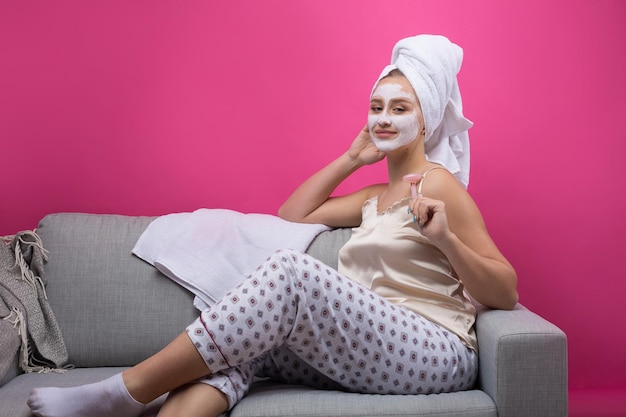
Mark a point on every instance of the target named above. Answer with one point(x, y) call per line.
point(405, 124)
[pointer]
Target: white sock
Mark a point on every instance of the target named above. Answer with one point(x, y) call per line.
point(107, 398)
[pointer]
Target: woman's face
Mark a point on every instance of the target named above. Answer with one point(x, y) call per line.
point(394, 115)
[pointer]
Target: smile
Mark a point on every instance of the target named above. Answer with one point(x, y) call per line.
point(384, 133)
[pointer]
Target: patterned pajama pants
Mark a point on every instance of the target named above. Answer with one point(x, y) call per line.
point(298, 321)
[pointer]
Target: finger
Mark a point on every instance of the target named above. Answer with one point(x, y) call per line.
point(424, 211)
point(414, 209)
point(410, 211)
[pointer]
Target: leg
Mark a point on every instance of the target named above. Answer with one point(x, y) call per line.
point(212, 395)
point(177, 364)
point(341, 329)
point(124, 395)
point(194, 400)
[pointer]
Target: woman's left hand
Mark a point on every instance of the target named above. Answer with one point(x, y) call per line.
point(450, 219)
point(431, 218)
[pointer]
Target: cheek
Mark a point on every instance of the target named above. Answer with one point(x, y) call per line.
point(372, 120)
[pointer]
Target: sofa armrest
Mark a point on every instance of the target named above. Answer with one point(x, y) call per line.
point(523, 363)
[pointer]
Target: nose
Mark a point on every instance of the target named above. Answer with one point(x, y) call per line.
point(384, 123)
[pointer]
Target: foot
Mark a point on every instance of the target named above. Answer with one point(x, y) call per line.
point(107, 398)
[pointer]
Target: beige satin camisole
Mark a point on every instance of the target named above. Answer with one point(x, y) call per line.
point(389, 255)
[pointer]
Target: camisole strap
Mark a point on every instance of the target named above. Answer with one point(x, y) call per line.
point(419, 187)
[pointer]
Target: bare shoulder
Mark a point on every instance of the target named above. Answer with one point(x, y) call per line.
point(344, 210)
point(356, 199)
point(440, 184)
point(374, 190)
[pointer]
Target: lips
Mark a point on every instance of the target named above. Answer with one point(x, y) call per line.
point(384, 133)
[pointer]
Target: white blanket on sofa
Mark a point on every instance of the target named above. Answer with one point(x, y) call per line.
point(209, 251)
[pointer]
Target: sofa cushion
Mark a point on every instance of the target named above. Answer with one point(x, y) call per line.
point(128, 310)
point(326, 245)
point(269, 399)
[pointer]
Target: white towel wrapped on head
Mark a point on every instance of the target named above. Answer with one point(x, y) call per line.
point(431, 63)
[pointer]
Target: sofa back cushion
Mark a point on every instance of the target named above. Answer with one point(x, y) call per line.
point(113, 308)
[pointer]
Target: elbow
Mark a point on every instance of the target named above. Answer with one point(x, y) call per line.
point(514, 294)
point(506, 301)
point(282, 213)
point(286, 214)
point(506, 298)
point(511, 301)
point(511, 298)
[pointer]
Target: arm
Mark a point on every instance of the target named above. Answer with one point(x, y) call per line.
point(454, 224)
point(311, 202)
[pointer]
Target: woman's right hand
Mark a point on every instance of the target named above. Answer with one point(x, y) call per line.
point(363, 151)
point(312, 202)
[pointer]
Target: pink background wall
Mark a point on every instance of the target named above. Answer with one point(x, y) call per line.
point(147, 108)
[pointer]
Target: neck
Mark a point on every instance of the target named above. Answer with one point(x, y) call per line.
point(406, 160)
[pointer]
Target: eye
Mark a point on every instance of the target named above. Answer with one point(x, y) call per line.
point(374, 108)
point(399, 109)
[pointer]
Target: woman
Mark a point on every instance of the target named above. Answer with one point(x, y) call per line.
point(393, 319)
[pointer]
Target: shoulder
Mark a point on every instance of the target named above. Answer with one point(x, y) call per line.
point(356, 199)
point(440, 184)
point(373, 190)
point(346, 210)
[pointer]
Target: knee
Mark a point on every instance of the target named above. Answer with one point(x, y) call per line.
point(289, 269)
point(285, 262)
point(286, 256)
point(296, 261)
point(300, 271)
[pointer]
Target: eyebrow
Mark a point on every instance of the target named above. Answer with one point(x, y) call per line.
point(394, 99)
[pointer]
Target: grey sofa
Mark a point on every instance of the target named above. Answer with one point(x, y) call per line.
point(115, 310)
